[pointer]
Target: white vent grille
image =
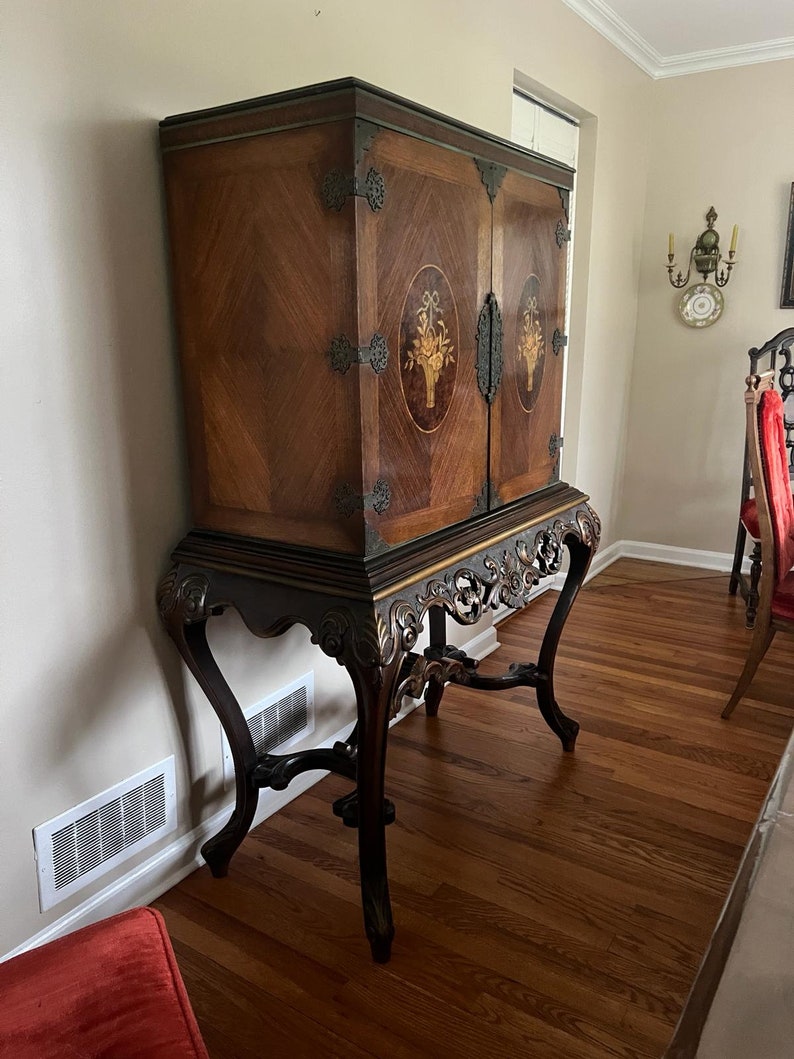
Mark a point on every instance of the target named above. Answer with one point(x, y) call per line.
point(85, 842)
point(278, 721)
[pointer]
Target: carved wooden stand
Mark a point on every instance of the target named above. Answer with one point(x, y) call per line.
point(368, 615)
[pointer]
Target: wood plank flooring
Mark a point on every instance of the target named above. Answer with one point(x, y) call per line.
point(546, 904)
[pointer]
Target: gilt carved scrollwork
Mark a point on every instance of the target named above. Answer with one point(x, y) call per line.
point(507, 577)
point(364, 636)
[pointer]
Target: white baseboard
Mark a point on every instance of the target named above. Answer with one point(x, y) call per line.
point(481, 645)
point(655, 553)
point(666, 553)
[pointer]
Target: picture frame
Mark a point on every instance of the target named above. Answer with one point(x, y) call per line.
point(787, 289)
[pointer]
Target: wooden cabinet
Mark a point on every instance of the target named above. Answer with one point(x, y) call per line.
point(369, 299)
point(370, 306)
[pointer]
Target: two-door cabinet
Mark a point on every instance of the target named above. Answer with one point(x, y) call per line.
point(370, 307)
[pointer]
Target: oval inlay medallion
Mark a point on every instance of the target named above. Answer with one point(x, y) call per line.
point(429, 344)
point(530, 343)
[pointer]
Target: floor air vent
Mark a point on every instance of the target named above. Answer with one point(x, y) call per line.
point(92, 838)
point(278, 721)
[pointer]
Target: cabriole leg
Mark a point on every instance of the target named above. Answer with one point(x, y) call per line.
point(183, 611)
point(563, 727)
point(375, 688)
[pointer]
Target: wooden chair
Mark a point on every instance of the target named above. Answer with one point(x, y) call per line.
point(776, 356)
point(769, 466)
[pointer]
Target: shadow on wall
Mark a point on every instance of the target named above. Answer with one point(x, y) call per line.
point(141, 497)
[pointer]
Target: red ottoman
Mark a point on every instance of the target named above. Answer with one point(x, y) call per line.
point(109, 991)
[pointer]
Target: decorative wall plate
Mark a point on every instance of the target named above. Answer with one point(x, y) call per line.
point(701, 305)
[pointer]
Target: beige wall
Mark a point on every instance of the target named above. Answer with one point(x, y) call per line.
point(723, 139)
point(93, 479)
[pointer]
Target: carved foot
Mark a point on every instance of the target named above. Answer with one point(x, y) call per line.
point(568, 733)
point(218, 852)
point(346, 808)
point(381, 948)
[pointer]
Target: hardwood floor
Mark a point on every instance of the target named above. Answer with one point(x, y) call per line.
point(546, 904)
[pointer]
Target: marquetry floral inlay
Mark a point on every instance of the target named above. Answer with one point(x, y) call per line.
point(432, 348)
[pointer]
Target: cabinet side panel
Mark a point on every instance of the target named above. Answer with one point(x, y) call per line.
point(424, 271)
point(529, 281)
point(263, 280)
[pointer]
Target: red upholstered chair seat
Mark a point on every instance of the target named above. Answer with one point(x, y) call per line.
point(109, 991)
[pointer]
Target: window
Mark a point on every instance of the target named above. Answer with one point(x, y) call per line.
point(542, 129)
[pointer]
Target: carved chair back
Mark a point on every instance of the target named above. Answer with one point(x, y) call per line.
point(770, 468)
point(775, 356)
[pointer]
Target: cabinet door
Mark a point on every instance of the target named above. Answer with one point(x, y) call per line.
point(424, 262)
point(529, 280)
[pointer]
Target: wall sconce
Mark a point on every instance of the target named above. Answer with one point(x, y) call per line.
point(705, 255)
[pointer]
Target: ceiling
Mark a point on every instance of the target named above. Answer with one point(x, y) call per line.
point(670, 37)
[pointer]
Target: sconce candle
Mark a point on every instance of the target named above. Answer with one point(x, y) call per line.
point(705, 255)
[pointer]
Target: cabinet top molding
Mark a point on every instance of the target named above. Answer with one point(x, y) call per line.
point(349, 98)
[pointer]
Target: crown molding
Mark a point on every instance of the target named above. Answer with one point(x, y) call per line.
point(723, 58)
point(618, 32)
point(626, 39)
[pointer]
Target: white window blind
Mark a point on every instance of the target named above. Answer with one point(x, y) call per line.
point(544, 130)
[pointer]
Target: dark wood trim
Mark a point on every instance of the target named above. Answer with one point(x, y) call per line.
point(787, 285)
point(345, 98)
point(356, 577)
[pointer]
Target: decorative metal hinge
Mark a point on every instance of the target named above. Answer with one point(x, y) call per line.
point(347, 500)
point(562, 234)
point(558, 341)
point(337, 187)
point(492, 176)
point(489, 348)
point(565, 199)
point(555, 444)
point(342, 354)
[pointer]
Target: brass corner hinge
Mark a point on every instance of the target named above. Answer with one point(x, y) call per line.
point(491, 175)
point(487, 499)
point(374, 544)
point(337, 187)
point(342, 354)
point(565, 200)
point(347, 500)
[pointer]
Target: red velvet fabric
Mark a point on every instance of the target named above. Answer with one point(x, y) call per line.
point(749, 516)
point(109, 991)
point(777, 481)
point(783, 599)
